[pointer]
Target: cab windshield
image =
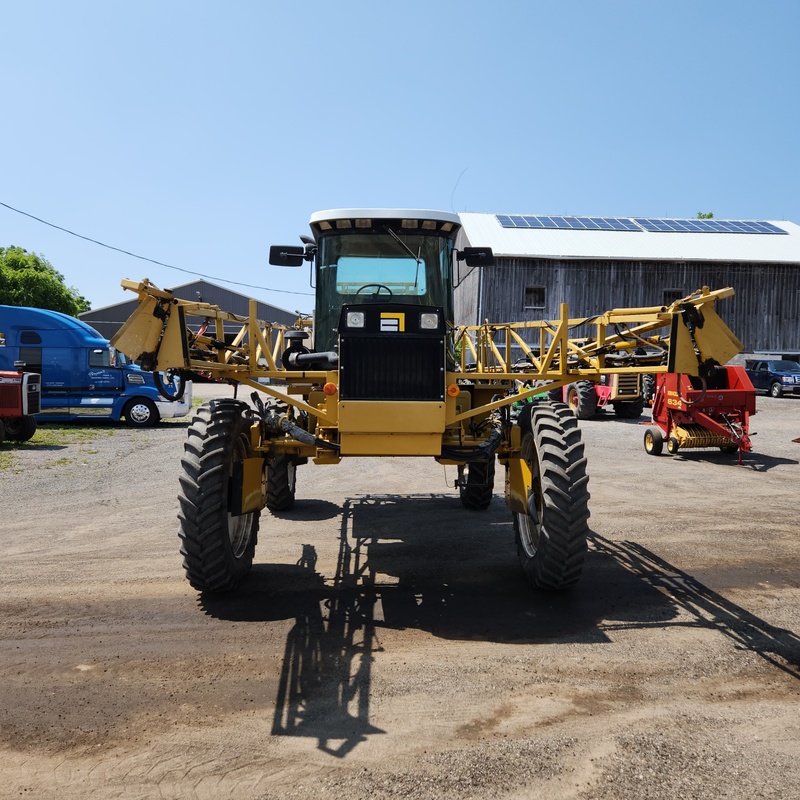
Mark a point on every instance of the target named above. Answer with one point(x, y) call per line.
point(392, 267)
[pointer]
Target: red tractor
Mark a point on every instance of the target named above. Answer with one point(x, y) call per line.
point(586, 398)
point(694, 412)
point(20, 399)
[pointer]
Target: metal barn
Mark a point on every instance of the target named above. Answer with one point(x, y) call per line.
point(599, 263)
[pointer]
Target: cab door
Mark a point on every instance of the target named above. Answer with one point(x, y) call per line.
point(100, 385)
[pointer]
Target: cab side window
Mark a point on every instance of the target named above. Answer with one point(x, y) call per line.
point(102, 358)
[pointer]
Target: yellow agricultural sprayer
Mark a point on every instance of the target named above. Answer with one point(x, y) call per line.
point(383, 371)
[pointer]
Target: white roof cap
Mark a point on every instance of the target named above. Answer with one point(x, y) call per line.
point(485, 230)
point(383, 213)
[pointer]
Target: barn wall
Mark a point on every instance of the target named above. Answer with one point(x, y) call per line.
point(764, 314)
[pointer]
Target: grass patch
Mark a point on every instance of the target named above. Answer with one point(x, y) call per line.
point(59, 435)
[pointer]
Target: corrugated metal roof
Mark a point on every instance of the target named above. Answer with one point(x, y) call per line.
point(484, 230)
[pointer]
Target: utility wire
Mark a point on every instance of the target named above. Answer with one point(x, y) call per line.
point(151, 260)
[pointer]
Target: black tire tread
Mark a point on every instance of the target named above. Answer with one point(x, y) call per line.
point(558, 560)
point(477, 494)
point(207, 556)
point(280, 490)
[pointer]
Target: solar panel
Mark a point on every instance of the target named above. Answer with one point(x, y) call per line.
point(708, 226)
point(567, 223)
point(653, 225)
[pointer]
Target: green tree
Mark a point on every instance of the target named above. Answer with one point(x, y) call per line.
point(705, 215)
point(28, 279)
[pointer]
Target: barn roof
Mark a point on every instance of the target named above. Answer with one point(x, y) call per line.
point(636, 242)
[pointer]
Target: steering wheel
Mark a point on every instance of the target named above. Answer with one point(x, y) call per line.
point(378, 286)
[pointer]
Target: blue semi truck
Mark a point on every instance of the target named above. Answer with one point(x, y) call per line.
point(83, 377)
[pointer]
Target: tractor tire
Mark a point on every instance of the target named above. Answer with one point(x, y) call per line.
point(20, 429)
point(648, 388)
point(141, 413)
point(653, 441)
point(776, 390)
point(551, 537)
point(556, 395)
point(477, 494)
point(582, 399)
point(629, 409)
point(281, 481)
point(217, 548)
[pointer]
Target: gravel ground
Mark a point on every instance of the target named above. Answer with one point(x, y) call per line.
point(386, 646)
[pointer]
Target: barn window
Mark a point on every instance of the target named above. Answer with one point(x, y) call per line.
point(671, 295)
point(534, 297)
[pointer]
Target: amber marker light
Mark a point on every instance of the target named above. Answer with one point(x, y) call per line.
point(453, 390)
point(330, 389)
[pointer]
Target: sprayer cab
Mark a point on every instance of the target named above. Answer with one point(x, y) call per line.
point(380, 257)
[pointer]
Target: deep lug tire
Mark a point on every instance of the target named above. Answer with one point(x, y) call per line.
point(281, 481)
point(141, 413)
point(217, 548)
point(582, 399)
point(653, 441)
point(477, 494)
point(551, 537)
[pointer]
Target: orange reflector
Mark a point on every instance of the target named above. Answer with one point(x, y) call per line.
point(453, 390)
point(329, 389)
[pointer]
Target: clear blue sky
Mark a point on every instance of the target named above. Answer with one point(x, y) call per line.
point(199, 133)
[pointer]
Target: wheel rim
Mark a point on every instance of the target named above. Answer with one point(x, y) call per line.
point(140, 413)
point(239, 527)
point(291, 471)
point(572, 399)
point(648, 441)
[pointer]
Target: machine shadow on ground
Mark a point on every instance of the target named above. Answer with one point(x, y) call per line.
point(422, 562)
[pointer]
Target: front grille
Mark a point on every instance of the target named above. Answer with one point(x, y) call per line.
point(628, 386)
point(391, 367)
point(34, 394)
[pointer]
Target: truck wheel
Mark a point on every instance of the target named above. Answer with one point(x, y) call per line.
point(551, 537)
point(20, 429)
point(629, 409)
point(477, 493)
point(582, 399)
point(217, 548)
point(141, 413)
point(281, 480)
point(653, 441)
point(776, 390)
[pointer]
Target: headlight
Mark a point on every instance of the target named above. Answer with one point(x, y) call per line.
point(428, 321)
point(355, 319)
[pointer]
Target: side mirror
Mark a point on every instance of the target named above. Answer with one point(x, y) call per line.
point(287, 255)
point(476, 256)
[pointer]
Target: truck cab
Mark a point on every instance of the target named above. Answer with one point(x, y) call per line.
point(384, 319)
point(82, 376)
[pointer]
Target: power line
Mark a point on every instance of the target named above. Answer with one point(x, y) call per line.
point(145, 258)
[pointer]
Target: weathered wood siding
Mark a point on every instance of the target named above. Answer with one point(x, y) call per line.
point(764, 314)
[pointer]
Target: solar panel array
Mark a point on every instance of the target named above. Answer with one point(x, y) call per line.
point(638, 224)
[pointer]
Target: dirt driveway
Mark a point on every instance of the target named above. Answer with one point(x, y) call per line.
point(386, 645)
